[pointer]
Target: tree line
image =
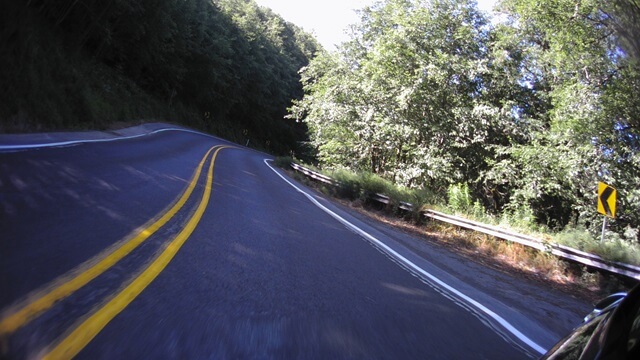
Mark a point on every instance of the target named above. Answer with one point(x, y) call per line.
point(529, 109)
point(226, 66)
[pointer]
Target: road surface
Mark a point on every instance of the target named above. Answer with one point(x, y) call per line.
point(180, 245)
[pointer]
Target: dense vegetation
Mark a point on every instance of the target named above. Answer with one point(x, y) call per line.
point(528, 111)
point(225, 66)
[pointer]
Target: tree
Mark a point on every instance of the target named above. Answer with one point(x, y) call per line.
point(232, 63)
point(530, 111)
point(404, 97)
point(572, 60)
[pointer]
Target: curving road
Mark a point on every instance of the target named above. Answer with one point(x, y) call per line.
point(180, 245)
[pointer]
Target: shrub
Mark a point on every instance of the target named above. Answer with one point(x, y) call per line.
point(459, 198)
point(349, 187)
point(614, 248)
point(283, 162)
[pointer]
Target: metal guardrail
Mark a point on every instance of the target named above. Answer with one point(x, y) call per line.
point(314, 175)
point(563, 252)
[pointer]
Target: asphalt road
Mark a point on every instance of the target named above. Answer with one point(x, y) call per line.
point(101, 259)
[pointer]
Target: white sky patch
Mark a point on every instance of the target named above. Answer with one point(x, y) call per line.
point(329, 19)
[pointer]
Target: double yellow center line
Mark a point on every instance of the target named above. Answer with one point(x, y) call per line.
point(89, 328)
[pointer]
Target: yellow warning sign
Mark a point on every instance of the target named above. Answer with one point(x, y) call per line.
point(607, 200)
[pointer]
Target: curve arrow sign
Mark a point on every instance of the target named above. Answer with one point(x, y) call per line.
point(607, 200)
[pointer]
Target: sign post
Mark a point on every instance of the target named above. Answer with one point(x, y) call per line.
point(606, 204)
point(604, 227)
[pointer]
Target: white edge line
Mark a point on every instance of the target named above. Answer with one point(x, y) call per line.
point(504, 323)
point(76, 142)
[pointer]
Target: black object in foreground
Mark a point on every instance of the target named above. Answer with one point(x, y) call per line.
point(610, 332)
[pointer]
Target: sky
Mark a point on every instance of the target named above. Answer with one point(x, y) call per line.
point(327, 19)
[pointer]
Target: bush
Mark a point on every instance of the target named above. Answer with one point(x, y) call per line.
point(522, 219)
point(349, 184)
point(461, 201)
point(614, 248)
point(459, 198)
point(373, 184)
point(283, 162)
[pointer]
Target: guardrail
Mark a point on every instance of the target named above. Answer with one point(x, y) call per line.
point(563, 252)
point(314, 175)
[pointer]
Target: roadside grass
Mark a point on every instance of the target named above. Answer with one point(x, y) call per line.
point(613, 248)
point(356, 189)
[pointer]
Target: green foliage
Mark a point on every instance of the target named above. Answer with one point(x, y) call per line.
point(459, 198)
point(373, 184)
point(349, 184)
point(521, 218)
point(379, 104)
point(530, 112)
point(614, 247)
point(461, 201)
point(364, 185)
point(283, 162)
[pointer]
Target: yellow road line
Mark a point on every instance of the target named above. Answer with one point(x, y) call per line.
point(33, 308)
point(71, 345)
